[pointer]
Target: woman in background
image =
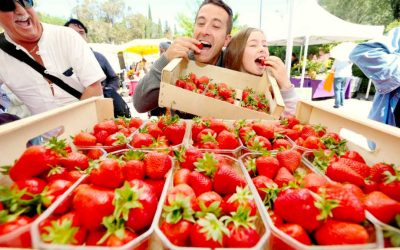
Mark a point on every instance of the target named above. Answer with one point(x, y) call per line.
point(248, 52)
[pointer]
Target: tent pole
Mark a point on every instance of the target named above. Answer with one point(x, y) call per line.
point(303, 71)
point(261, 10)
point(368, 89)
point(301, 53)
point(289, 43)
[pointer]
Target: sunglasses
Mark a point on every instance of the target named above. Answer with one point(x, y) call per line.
point(10, 5)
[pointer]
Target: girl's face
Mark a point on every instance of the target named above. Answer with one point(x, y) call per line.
point(256, 48)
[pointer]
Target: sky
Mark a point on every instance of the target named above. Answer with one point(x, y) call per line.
point(161, 9)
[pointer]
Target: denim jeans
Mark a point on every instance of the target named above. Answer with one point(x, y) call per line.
point(339, 84)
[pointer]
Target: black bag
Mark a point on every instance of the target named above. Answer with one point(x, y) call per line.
point(120, 106)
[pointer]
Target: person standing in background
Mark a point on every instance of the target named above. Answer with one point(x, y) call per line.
point(342, 69)
point(112, 80)
point(379, 60)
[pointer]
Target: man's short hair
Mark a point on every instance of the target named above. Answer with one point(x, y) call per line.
point(76, 21)
point(223, 5)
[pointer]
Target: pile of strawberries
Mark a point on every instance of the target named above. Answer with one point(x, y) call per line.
point(111, 135)
point(40, 175)
point(221, 91)
point(210, 204)
point(208, 133)
point(113, 205)
point(161, 133)
point(304, 205)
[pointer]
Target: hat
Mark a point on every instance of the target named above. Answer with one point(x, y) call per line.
point(76, 21)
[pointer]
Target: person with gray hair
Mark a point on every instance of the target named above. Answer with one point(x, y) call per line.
point(164, 46)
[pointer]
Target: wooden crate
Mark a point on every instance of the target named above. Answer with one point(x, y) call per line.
point(201, 105)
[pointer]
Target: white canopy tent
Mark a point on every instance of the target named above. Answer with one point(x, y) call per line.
point(305, 22)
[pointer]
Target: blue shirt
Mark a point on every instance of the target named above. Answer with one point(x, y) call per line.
point(380, 61)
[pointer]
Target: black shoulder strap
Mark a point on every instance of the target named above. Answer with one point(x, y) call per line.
point(10, 49)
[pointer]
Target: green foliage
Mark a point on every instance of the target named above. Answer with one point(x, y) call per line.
point(51, 19)
point(392, 25)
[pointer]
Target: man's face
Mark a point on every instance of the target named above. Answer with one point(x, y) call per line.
point(78, 28)
point(210, 28)
point(22, 25)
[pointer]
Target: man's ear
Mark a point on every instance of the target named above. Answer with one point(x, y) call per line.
point(227, 40)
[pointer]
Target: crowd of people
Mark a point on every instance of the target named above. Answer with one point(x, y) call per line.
point(64, 54)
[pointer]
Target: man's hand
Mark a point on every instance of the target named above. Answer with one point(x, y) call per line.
point(92, 90)
point(278, 70)
point(181, 47)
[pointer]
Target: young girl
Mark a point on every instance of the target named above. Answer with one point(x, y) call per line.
point(248, 52)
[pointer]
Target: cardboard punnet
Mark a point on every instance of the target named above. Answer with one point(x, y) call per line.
point(73, 118)
point(184, 100)
point(386, 138)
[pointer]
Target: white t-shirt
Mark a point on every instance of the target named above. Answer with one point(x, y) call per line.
point(342, 68)
point(61, 50)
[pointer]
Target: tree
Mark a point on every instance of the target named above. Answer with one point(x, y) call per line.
point(396, 9)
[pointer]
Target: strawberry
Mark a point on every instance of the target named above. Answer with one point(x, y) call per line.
point(276, 220)
point(360, 168)
point(307, 131)
point(75, 160)
point(181, 176)
point(199, 182)
point(209, 232)
point(313, 181)
point(263, 185)
point(341, 233)
point(154, 130)
point(109, 125)
point(101, 136)
point(93, 204)
point(135, 122)
point(243, 233)
point(259, 143)
point(197, 126)
point(313, 142)
point(265, 130)
point(175, 130)
point(116, 141)
point(209, 202)
point(299, 200)
point(378, 171)
point(205, 132)
point(242, 198)
point(141, 140)
point(341, 173)
point(224, 91)
point(178, 233)
point(381, 206)
point(55, 189)
point(94, 153)
point(281, 144)
point(156, 185)
point(157, 164)
point(217, 125)
point(353, 155)
point(292, 134)
point(119, 238)
point(226, 179)
point(107, 173)
point(227, 140)
point(346, 206)
point(34, 161)
point(289, 121)
point(188, 157)
point(283, 177)
point(136, 203)
point(289, 159)
point(32, 187)
point(293, 230)
point(84, 139)
point(391, 189)
point(267, 165)
point(180, 83)
point(134, 167)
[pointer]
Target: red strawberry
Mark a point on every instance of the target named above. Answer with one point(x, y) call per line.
point(242, 198)
point(108, 125)
point(217, 125)
point(290, 121)
point(227, 140)
point(190, 156)
point(141, 140)
point(281, 143)
point(156, 185)
point(178, 233)
point(299, 200)
point(154, 130)
point(313, 142)
point(33, 186)
point(263, 184)
point(341, 173)
point(243, 233)
point(135, 122)
point(84, 139)
point(289, 159)
point(226, 179)
point(341, 233)
point(265, 130)
point(94, 153)
point(307, 131)
point(267, 166)
point(381, 206)
point(391, 188)
point(199, 182)
point(93, 204)
point(157, 164)
point(181, 176)
point(313, 181)
point(360, 168)
point(259, 143)
point(292, 134)
point(209, 202)
point(283, 177)
point(293, 230)
point(378, 171)
point(107, 174)
point(75, 160)
point(175, 130)
point(197, 126)
point(101, 136)
point(353, 155)
point(55, 189)
point(209, 232)
point(134, 167)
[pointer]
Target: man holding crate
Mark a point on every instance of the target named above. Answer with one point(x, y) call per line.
point(212, 28)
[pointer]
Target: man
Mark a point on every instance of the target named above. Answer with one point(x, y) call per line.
point(59, 49)
point(212, 28)
point(380, 61)
point(111, 78)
